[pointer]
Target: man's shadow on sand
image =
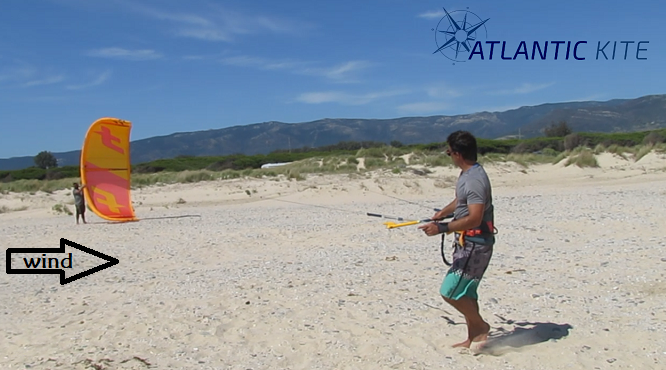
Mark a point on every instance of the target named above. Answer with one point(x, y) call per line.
point(501, 341)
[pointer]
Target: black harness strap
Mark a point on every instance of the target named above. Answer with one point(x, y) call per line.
point(442, 250)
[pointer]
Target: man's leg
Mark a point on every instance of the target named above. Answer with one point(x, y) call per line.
point(459, 282)
point(477, 328)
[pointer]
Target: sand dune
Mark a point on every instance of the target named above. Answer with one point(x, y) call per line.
point(266, 274)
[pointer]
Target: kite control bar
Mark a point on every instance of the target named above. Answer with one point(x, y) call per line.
point(384, 216)
point(392, 225)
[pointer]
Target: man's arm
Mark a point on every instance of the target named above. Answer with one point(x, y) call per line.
point(475, 207)
point(446, 210)
point(432, 228)
point(472, 220)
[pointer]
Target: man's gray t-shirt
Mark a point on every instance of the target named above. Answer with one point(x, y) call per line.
point(473, 187)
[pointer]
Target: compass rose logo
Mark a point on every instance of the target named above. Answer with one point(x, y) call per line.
point(457, 32)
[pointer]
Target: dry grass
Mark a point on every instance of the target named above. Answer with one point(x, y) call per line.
point(61, 208)
point(621, 151)
point(387, 153)
point(33, 186)
point(643, 151)
point(430, 159)
point(582, 158)
point(523, 159)
point(5, 209)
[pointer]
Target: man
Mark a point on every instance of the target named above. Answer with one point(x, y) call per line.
point(474, 235)
point(79, 202)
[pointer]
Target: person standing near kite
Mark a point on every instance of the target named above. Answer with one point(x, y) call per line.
point(474, 235)
point(79, 202)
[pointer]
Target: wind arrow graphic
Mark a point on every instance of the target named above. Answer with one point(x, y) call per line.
point(63, 280)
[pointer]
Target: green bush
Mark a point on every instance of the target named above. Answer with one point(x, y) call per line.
point(30, 173)
point(537, 145)
point(653, 138)
point(573, 141)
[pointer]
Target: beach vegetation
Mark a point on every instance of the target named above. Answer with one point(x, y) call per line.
point(642, 151)
point(5, 209)
point(61, 208)
point(355, 157)
point(582, 157)
point(560, 129)
point(45, 160)
point(654, 138)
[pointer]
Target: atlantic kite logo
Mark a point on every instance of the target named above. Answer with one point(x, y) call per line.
point(461, 36)
point(457, 32)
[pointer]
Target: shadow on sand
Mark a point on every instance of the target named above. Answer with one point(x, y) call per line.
point(143, 219)
point(168, 217)
point(502, 341)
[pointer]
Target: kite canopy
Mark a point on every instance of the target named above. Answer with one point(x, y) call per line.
point(105, 169)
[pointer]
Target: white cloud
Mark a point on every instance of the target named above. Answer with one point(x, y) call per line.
point(44, 99)
point(217, 23)
point(593, 97)
point(439, 96)
point(324, 97)
point(433, 14)
point(100, 79)
point(206, 33)
point(28, 76)
point(424, 107)
point(525, 88)
point(338, 73)
point(262, 63)
point(17, 74)
point(120, 53)
point(345, 98)
point(443, 92)
point(45, 81)
point(499, 108)
point(341, 72)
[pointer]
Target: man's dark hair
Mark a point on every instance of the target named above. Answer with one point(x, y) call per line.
point(464, 143)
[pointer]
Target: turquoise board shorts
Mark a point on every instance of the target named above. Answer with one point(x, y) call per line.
point(469, 264)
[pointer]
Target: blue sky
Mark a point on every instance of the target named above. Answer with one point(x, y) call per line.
point(175, 66)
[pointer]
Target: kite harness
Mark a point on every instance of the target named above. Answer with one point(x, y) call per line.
point(479, 235)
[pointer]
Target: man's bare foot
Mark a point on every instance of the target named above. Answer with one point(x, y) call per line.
point(465, 344)
point(483, 335)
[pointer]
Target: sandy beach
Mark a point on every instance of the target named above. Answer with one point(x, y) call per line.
point(284, 274)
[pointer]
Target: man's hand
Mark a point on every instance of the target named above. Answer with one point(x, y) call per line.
point(433, 228)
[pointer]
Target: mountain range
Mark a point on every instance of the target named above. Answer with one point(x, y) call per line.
point(618, 115)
